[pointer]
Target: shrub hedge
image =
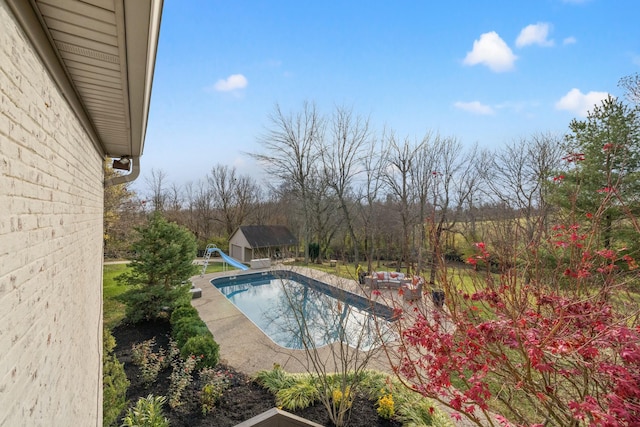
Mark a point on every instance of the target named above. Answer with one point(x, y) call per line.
point(186, 328)
point(182, 312)
point(193, 337)
point(205, 347)
point(114, 382)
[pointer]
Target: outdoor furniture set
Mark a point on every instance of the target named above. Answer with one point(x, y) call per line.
point(411, 285)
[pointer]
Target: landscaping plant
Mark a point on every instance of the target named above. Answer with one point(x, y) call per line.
point(150, 362)
point(275, 379)
point(205, 348)
point(385, 406)
point(295, 391)
point(215, 384)
point(301, 394)
point(181, 377)
point(552, 338)
point(160, 269)
point(193, 337)
point(188, 327)
point(147, 413)
point(183, 312)
point(114, 382)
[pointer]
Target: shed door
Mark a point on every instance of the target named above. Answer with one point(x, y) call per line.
point(236, 252)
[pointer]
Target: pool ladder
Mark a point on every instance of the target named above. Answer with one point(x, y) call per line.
point(207, 255)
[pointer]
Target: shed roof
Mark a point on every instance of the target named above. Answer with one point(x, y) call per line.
point(263, 236)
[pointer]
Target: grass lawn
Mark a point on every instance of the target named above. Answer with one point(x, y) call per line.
point(216, 267)
point(460, 278)
point(113, 310)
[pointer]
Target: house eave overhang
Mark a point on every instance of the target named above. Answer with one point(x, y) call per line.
point(101, 55)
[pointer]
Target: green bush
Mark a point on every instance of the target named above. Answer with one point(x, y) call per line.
point(114, 382)
point(292, 391)
point(300, 395)
point(183, 312)
point(392, 398)
point(373, 384)
point(275, 379)
point(205, 347)
point(188, 327)
point(192, 336)
point(215, 384)
point(314, 251)
point(163, 261)
point(150, 302)
point(146, 413)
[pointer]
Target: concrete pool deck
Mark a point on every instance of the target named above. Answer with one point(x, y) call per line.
point(246, 348)
point(242, 344)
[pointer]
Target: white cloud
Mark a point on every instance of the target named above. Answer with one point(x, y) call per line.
point(233, 82)
point(475, 107)
point(569, 40)
point(580, 103)
point(491, 51)
point(535, 34)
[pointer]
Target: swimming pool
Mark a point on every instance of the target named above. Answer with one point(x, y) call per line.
point(294, 310)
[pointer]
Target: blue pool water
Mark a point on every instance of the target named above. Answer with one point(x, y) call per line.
point(293, 310)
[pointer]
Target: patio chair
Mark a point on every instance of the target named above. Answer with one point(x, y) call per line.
point(413, 291)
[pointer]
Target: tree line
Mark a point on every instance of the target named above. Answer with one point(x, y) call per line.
point(364, 196)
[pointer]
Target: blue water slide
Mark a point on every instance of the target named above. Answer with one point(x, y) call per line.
point(229, 260)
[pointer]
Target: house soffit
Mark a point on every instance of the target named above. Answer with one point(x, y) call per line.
point(105, 52)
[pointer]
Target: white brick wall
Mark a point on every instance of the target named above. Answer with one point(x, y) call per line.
point(51, 202)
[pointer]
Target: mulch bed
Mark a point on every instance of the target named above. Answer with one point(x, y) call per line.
point(243, 400)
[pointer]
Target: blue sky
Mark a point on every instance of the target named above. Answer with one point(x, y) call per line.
point(483, 71)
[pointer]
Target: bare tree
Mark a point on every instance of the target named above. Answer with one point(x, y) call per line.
point(373, 164)
point(173, 203)
point(174, 197)
point(337, 347)
point(269, 209)
point(158, 190)
point(285, 205)
point(518, 176)
point(202, 205)
point(324, 222)
point(248, 195)
point(423, 176)
point(399, 179)
point(291, 153)
point(449, 191)
point(474, 202)
point(189, 208)
point(233, 195)
point(631, 84)
point(341, 161)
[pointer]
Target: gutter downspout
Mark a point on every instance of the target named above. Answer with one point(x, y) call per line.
point(122, 179)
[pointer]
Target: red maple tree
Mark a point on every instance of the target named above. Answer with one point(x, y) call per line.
point(548, 335)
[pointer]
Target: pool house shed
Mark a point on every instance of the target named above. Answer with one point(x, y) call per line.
point(261, 241)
